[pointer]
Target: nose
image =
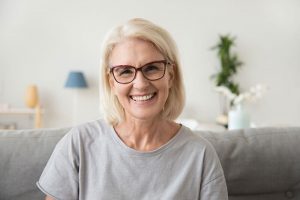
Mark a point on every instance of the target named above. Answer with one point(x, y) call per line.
point(140, 81)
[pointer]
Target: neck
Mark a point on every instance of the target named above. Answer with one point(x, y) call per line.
point(145, 135)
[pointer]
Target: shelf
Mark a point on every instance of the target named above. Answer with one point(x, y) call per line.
point(18, 111)
point(35, 112)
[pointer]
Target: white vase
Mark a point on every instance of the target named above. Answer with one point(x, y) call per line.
point(238, 118)
point(224, 109)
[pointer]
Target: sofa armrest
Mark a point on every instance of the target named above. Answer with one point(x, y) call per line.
point(23, 156)
point(259, 160)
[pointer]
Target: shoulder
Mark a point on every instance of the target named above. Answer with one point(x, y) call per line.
point(199, 148)
point(195, 141)
point(87, 132)
point(212, 169)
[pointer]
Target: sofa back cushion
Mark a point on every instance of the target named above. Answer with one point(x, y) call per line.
point(23, 156)
point(261, 163)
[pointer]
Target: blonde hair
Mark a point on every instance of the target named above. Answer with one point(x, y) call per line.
point(142, 29)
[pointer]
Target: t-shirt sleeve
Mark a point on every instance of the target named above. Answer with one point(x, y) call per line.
point(215, 190)
point(213, 186)
point(60, 176)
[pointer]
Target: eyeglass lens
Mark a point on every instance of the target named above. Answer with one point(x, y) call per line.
point(151, 71)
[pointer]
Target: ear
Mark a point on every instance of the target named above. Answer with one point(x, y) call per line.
point(171, 75)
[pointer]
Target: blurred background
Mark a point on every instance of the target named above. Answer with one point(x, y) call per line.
point(42, 41)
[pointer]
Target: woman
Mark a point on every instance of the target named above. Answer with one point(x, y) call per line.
point(138, 152)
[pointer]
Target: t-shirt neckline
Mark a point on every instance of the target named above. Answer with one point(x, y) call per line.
point(134, 152)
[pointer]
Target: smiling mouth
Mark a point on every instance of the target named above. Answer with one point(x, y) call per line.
point(143, 97)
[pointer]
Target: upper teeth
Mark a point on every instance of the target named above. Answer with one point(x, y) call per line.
point(142, 98)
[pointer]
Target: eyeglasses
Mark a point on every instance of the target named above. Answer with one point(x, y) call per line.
point(151, 71)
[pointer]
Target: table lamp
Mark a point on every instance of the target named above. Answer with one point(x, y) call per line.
point(75, 81)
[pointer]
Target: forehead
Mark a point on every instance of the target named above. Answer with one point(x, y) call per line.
point(134, 51)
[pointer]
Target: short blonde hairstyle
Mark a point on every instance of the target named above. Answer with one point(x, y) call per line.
point(141, 29)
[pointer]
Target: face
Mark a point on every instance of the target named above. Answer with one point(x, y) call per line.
point(141, 99)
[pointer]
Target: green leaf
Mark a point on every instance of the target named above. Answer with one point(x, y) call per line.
point(229, 63)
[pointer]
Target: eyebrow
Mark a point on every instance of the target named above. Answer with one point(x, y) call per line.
point(141, 65)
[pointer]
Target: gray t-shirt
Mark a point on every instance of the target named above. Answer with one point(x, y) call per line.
point(91, 162)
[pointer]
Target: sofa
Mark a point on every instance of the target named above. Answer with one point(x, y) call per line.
point(259, 164)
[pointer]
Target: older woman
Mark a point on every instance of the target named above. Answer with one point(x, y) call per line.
point(138, 151)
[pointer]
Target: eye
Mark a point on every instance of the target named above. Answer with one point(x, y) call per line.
point(124, 71)
point(151, 68)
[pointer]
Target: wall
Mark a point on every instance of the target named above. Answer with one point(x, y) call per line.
point(41, 40)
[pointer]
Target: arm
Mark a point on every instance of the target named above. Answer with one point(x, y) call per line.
point(213, 186)
point(60, 175)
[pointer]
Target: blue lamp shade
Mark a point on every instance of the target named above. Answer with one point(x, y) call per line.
point(76, 80)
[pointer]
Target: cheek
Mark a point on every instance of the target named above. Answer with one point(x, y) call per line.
point(165, 87)
point(121, 91)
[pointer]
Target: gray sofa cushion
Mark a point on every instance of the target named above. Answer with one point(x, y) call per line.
point(260, 163)
point(23, 155)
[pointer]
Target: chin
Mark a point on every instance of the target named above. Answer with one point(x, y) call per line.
point(144, 116)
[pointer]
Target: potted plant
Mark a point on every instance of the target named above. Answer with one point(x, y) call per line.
point(229, 64)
